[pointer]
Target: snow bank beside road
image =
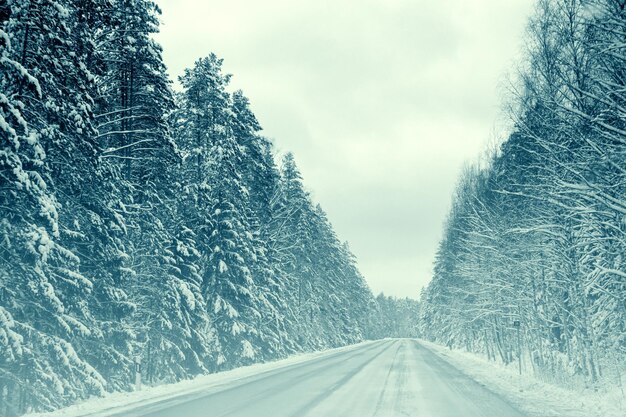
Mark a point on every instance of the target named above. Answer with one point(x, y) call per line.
point(527, 393)
point(119, 402)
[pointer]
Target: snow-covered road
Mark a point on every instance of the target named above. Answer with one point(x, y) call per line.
point(386, 378)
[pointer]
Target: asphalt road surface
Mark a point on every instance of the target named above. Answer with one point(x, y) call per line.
point(393, 377)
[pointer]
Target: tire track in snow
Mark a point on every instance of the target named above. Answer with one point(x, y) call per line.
point(304, 377)
point(333, 388)
point(161, 408)
point(401, 394)
point(381, 398)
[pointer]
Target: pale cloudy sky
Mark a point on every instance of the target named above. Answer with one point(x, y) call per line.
point(381, 102)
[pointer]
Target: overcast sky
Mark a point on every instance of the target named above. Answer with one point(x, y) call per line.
point(381, 102)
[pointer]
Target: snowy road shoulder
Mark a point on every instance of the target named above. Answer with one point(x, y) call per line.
point(116, 403)
point(530, 395)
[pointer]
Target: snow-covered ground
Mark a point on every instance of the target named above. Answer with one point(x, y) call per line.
point(530, 395)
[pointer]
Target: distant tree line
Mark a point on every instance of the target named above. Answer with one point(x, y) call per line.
point(535, 241)
point(395, 317)
point(141, 224)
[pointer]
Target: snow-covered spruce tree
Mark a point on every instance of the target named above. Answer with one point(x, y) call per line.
point(228, 285)
point(331, 284)
point(135, 92)
point(326, 293)
point(169, 320)
point(195, 334)
point(361, 304)
point(261, 178)
point(46, 112)
point(292, 226)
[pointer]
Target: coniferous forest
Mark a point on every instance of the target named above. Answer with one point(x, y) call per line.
point(141, 224)
point(147, 228)
point(532, 267)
